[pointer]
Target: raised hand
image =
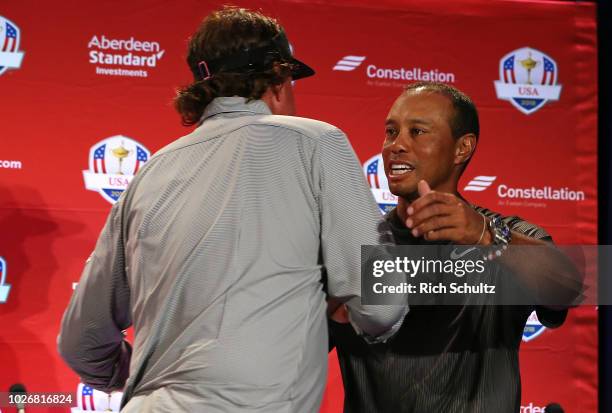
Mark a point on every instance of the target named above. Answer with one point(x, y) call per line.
point(438, 216)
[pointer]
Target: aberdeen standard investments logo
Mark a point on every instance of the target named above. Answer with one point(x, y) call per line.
point(527, 79)
point(123, 57)
point(378, 72)
point(10, 36)
point(113, 162)
point(374, 171)
point(524, 194)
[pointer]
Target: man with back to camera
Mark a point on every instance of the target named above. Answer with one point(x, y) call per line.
point(448, 358)
point(215, 252)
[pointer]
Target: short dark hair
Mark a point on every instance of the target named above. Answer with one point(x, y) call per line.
point(465, 119)
point(223, 33)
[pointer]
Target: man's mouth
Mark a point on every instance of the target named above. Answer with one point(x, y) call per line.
point(398, 169)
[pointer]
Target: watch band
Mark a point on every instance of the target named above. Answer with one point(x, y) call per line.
point(501, 236)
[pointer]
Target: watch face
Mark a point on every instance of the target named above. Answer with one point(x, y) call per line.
point(501, 231)
point(505, 231)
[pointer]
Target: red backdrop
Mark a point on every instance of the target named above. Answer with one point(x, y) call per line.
point(538, 128)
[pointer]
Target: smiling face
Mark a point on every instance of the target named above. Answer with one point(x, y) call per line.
point(419, 144)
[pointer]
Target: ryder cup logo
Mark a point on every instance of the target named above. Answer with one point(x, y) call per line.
point(91, 400)
point(533, 327)
point(113, 162)
point(5, 288)
point(10, 56)
point(374, 169)
point(527, 79)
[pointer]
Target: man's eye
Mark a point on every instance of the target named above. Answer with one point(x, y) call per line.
point(390, 132)
point(417, 131)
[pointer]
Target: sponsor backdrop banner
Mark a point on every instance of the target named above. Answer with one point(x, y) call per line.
point(86, 100)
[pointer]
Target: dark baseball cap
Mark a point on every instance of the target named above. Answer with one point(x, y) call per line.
point(258, 58)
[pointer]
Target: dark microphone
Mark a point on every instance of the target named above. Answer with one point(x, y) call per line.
point(18, 389)
point(553, 408)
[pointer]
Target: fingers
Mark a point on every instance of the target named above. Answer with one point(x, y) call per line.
point(332, 305)
point(435, 215)
point(434, 224)
point(429, 198)
point(425, 213)
point(423, 187)
point(445, 234)
point(340, 315)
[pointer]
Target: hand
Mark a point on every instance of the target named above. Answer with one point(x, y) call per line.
point(440, 216)
point(340, 315)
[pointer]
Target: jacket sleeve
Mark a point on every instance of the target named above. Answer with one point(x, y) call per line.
point(350, 218)
point(91, 338)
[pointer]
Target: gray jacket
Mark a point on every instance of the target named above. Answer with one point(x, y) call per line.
point(215, 254)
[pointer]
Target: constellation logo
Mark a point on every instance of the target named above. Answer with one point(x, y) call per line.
point(547, 193)
point(480, 183)
point(349, 63)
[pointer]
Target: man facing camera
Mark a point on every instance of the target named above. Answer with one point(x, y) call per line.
point(459, 358)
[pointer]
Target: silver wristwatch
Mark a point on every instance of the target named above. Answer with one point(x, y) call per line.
point(501, 237)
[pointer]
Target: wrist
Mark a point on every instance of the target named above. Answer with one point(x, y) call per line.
point(484, 236)
point(487, 238)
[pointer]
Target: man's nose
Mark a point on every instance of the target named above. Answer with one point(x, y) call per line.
point(401, 144)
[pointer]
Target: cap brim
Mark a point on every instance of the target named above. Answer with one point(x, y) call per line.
point(300, 69)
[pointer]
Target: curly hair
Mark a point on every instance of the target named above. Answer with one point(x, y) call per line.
point(223, 33)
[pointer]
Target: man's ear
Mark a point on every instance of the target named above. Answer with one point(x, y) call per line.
point(277, 91)
point(279, 98)
point(464, 148)
point(273, 98)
